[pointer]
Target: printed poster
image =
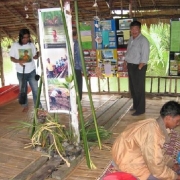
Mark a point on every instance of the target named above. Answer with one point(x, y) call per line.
point(90, 62)
point(55, 59)
point(122, 70)
point(107, 62)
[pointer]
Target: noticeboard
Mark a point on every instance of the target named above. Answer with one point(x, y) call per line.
point(174, 55)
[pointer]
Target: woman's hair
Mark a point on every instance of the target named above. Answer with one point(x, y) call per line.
point(22, 32)
point(171, 108)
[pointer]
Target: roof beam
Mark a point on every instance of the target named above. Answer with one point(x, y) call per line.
point(20, 2)
point(19, 16)
point(152, 8)
point(158, 16)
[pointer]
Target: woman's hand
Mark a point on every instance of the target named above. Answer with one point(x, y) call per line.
point(21, 62)
point(36, 56)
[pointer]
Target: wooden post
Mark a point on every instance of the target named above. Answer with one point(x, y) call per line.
point(130, 8)
point(1, 66)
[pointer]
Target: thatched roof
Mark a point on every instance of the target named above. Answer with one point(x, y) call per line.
point(17, 14)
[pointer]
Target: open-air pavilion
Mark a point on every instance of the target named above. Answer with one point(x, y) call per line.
point(112, 108)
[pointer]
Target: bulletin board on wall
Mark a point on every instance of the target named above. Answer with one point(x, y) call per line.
point(105, 34)
point(174, 54)
point(110, 38)
point(122, 32)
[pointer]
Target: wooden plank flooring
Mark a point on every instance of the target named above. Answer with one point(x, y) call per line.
point(111, 111)
point(14, 159)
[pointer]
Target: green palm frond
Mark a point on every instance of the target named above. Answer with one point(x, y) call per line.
point(158, 36)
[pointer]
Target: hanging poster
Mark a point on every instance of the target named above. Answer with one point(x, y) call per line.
point(90, 61)
point(107, 62)
point(174, 64)
point(86, 35)
point(122, 32)
point(174, 36)
point(105, 37)
point(121, 64)
point(55, 59)
point(174, 55)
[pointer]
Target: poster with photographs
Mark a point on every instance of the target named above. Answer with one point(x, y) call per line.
point(52, 29)
point(55, 59)
point(174, 64)
point(105, 36)
point(122, 32)
point(121, 64)
point(90, 62)
point(107, 62)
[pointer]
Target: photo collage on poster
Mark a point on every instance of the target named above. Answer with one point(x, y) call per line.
point(112, 36)
point(55, 59)
point(90, 62)
point(174, 64)
point(105, 36)
point(107, 62)
point(122, 32)
point(121, 64)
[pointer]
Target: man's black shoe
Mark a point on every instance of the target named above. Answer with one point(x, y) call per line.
point(136, 114)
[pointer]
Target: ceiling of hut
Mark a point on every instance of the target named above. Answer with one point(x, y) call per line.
point(17, 14)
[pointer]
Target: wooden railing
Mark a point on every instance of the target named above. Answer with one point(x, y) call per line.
point(169, 85)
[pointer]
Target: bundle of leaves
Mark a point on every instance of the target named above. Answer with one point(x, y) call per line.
point(92, 135)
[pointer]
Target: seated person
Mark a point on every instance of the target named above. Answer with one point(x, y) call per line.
point(138, 150)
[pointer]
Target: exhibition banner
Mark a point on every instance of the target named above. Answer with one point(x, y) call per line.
point(55, 59)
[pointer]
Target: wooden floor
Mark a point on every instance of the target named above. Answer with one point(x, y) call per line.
point(15, 160)
point(112, 112)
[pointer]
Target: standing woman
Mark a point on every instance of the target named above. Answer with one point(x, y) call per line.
point(16, 53)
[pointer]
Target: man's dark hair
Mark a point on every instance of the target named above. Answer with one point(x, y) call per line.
point(74, 31)
point(22, 32)
point(171, 108)
point(135, 23)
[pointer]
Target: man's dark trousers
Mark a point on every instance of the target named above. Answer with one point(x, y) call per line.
point(79, 82)
point(137, 86)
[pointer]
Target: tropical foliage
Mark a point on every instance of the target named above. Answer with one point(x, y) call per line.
point(158, 36)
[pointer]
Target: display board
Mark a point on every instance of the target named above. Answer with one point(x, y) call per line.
point(107, 62)
point(105, 35)
point(174, 55)
point(122, 66)
point(122, 32)
point(174, 64)
point(111, 38)
point(55, 59)
point(86, 35)
point(90, 61)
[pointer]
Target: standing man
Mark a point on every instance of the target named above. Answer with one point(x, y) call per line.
point(137, 57)
point(77, 62)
